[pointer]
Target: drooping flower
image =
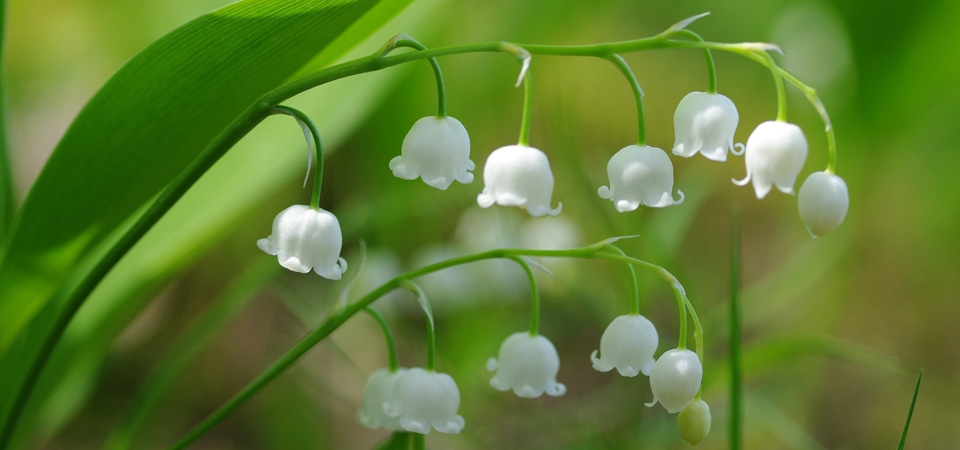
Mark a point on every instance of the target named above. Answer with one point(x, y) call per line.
point(822, 202)
point(705, 123)
point(774, 156)
point(436, 149)
point(675, 379)
point(423, 400)
point(528, 364)
point(379, 390)
point(305, 238)
point(640, 175)
point(517, 175)
point(627, 344)
point(694, 421)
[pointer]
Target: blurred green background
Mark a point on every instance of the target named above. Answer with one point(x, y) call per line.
point(835, 329)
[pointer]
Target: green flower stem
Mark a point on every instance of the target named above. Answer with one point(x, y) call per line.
point(394, 361)
point(635, 306)
point(335, 320)
point(428, 311)
point(778, 82)
point(404, 40)
point(711, 67)
point(534, 295)
point(250, 118)
point(527, 109)
point(682, 306)
point(419, 441)
point(624, 68)
point(312, 134)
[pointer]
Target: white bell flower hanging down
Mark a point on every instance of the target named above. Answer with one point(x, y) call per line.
point(423, 399)
point(436, 149)
point(675, 379)
point(518, 175)
point(628, 344)
point(705, 123)
point(379, 390)
point(305, 238)
point(640, 175)
point(774, 156)
point(822, 202)
point(528, 364)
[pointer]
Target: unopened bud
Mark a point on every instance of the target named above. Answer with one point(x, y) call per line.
point(694, 421)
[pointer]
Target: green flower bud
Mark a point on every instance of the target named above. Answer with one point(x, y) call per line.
point(694, 421)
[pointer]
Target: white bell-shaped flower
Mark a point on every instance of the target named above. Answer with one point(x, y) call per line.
point(705, 123)
point(528, 364)
point(675, 379)
point(823, 201)
point(517, 175)
point(423, 400)
point(379, 390)
point(694, 421)
point(640, 175)
point(436, 149)
point(628, 344)
point(304, 238)
point(774, 156)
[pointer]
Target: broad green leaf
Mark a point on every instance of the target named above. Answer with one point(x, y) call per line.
point(136, 134)
point(6, 183)
point(145, 126)
point(267, 160)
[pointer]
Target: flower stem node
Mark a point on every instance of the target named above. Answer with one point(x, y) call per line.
point(379, 390)
point(528, 364)
point(822, 202)
point(640, 175)
point(694, 421)
point(306, 238)
point(705, 123)
point(436, 149)
point(675, 379)
point(423, 400)
point(518, 175)
point(627, 344)
point(774, 156)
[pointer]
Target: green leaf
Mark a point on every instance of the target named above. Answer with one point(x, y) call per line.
point(913, 403)
point(6, 181)
point(135, 135)
point(144, 127)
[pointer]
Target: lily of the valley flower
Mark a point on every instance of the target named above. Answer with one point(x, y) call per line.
point(305, 238)
point(379, 390)
point(627, 344)
point(774, 156)
point(423, 400)
point(705, 123)
point(822, 202)
point(528, 364)
point(675, 379)
point(694, 421)
point(640, 175)
point(517, 175)
point(436, 149)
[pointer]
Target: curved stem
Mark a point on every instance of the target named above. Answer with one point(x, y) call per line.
point(312, 134)
point(431, 331)
point(334, 321)
point(534, 295)
point(624, 68)
point(527, 109)
point(394, 361)
point(781, 91)
point(635, 307)
point(711, 67)
point(404, 40)
point(248, 119)
point(682, 306)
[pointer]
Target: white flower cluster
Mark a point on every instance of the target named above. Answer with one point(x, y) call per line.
point(414, 400)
